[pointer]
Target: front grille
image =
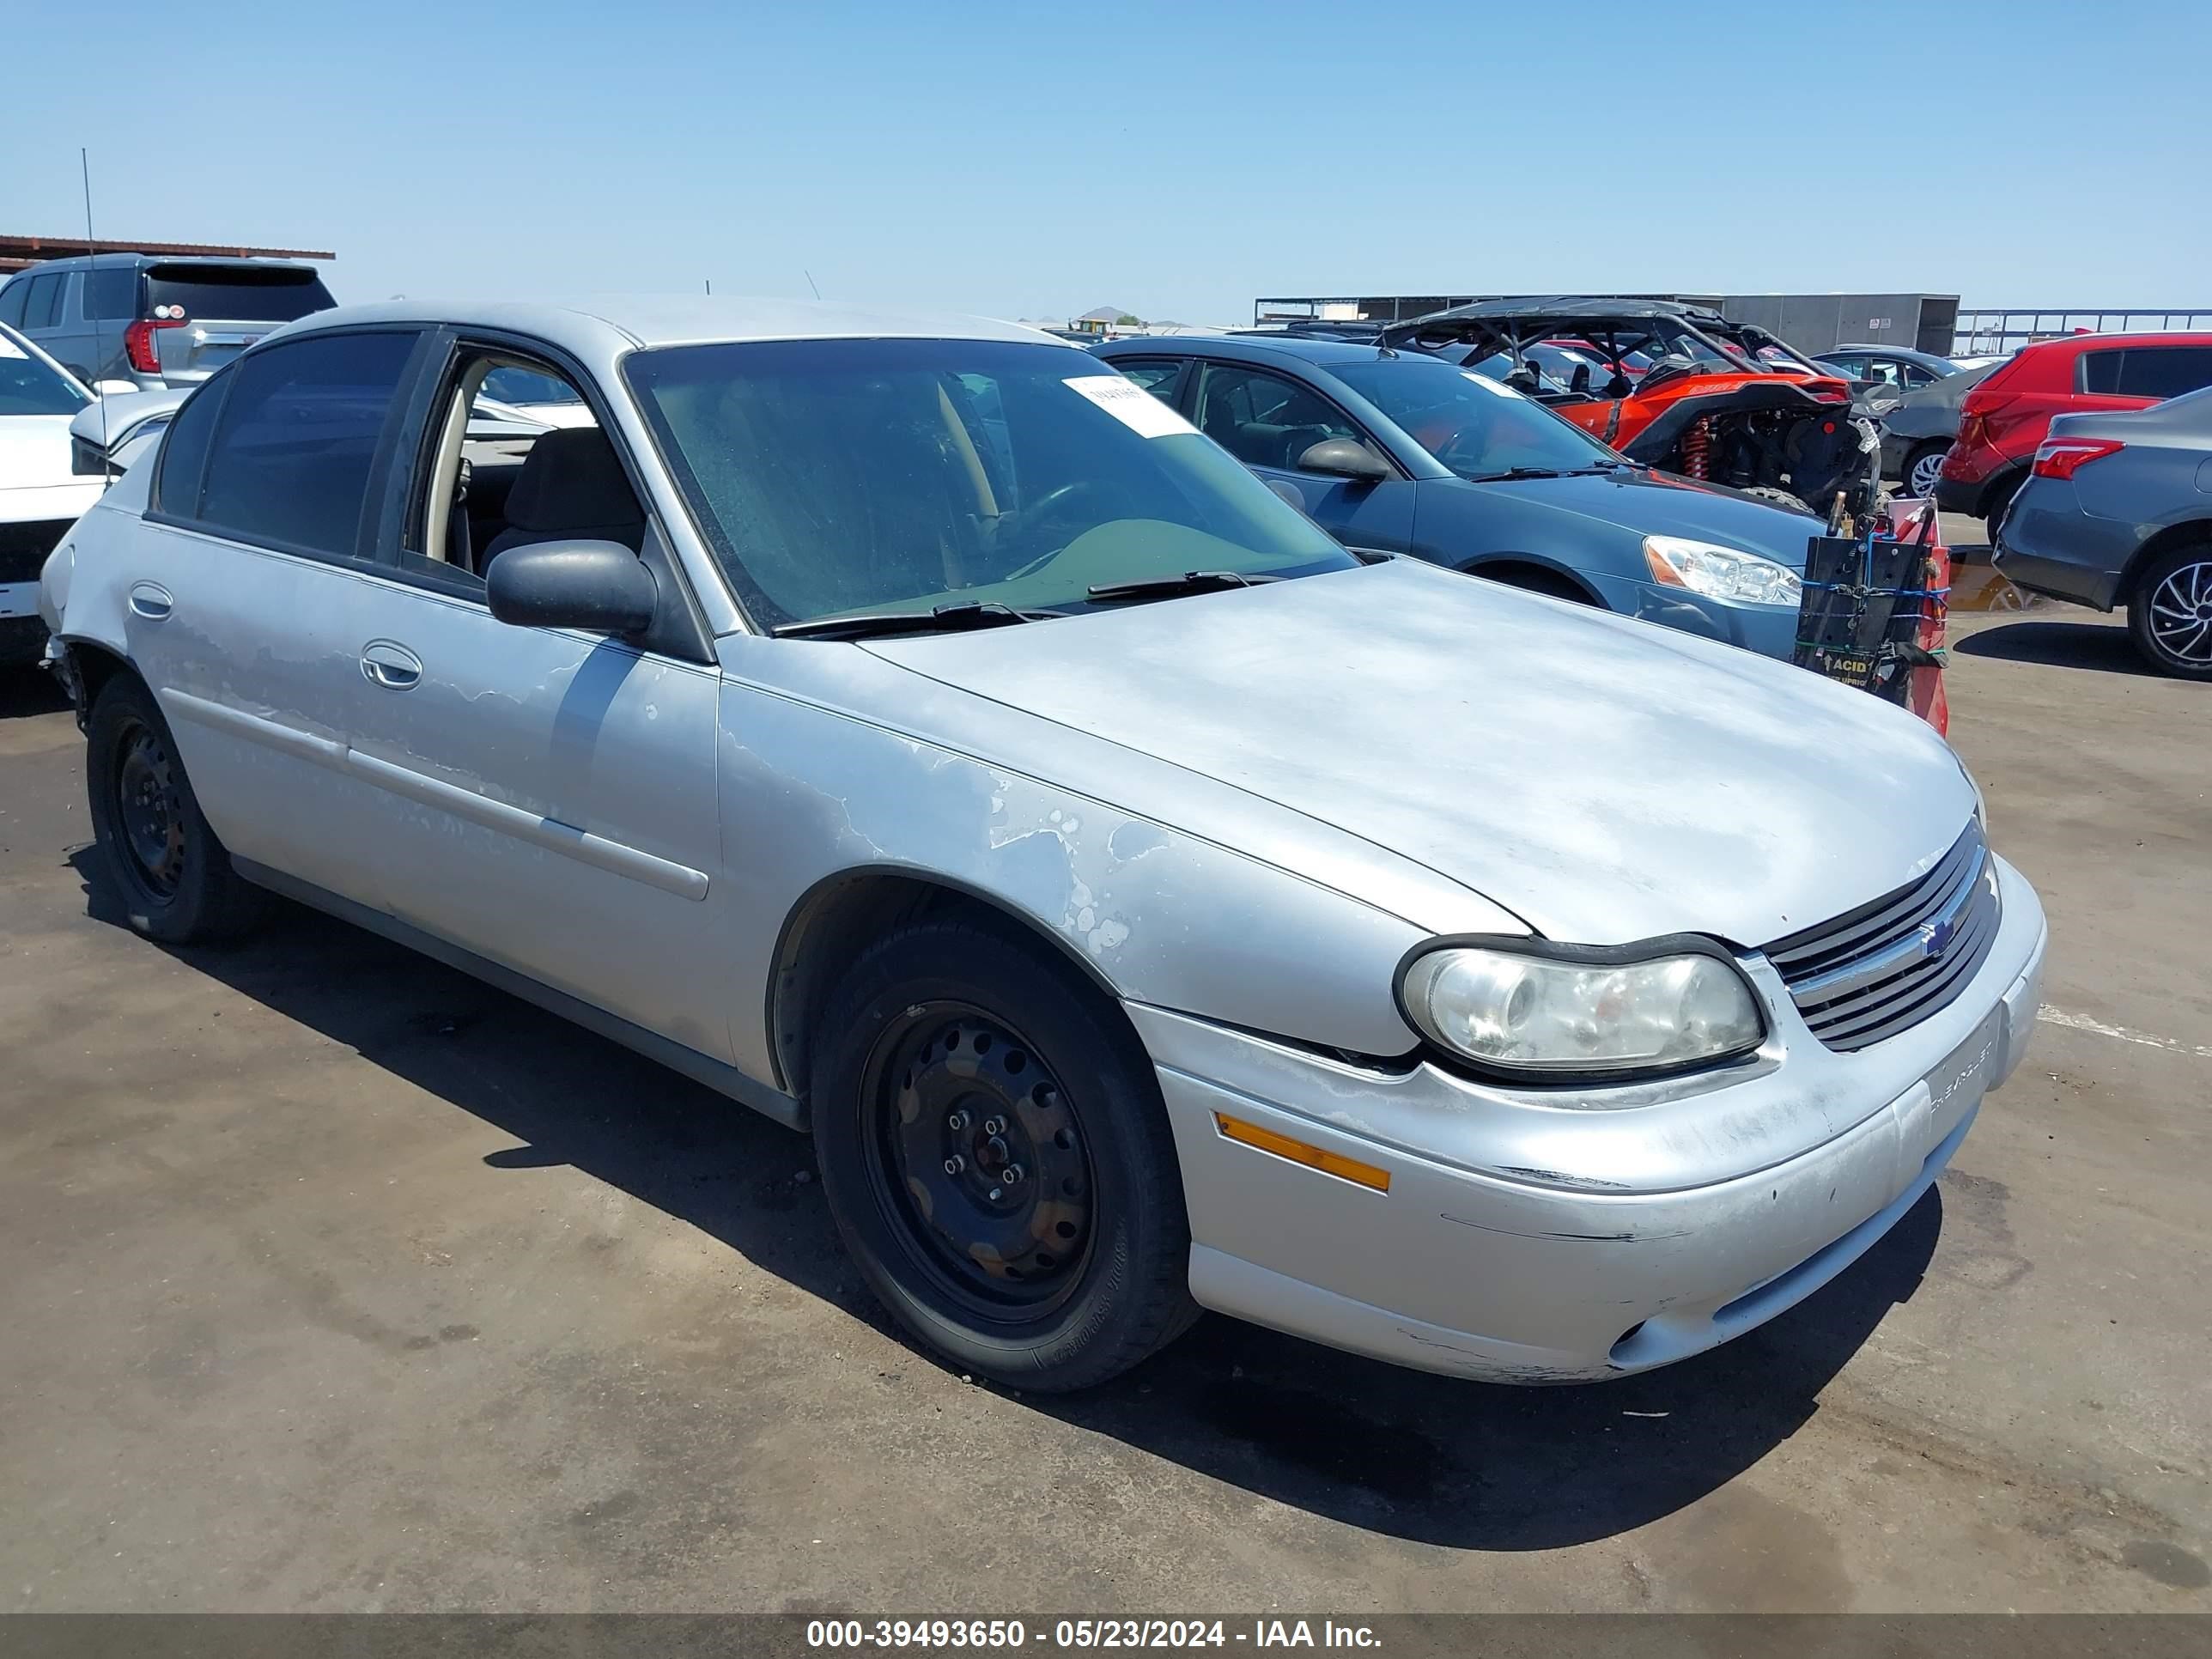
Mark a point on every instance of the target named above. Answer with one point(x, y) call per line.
point(1888, 965)
point(24, 547)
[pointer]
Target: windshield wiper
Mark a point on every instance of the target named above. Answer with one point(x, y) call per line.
point(1167, 587)
point(945, 619)
point(1512, 472)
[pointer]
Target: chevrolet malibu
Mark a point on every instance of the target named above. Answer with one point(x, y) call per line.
point(914, 730)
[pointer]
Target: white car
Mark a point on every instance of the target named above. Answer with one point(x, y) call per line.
point(40, 497)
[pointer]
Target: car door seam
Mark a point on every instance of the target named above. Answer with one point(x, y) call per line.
point(554, 834)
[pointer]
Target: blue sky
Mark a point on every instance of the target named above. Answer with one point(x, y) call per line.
point(1177, 160)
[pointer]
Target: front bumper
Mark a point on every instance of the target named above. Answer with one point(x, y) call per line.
point(1525, 1238)
point(1769, 630)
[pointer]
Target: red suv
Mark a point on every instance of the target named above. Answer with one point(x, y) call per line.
point(2008, 414)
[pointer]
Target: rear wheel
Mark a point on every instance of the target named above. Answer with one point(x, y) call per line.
point(1923, 468)
point(173, 875)
point(2170, 615)
point(996, 1154)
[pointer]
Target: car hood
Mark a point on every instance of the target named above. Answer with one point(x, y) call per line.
point(1521, 512)
point(34, 452)
point(1604, 780)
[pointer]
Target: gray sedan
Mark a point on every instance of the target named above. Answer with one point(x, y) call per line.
point(913, 729)
point(2116, 510)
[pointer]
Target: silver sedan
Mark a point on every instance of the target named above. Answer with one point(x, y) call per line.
point(914, 730)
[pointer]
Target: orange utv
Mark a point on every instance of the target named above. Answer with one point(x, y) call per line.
point(1673, 386)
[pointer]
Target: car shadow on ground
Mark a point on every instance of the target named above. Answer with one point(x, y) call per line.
point(2054, 643)
point(1427, 1458)
point(27, 691)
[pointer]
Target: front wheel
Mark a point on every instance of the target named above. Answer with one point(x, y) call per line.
point(2170, 615)
point(1923, 468)
point(174, 876)
point(996, 1154)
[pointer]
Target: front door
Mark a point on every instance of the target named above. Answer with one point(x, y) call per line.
point(548, 795)
point(1269, 421)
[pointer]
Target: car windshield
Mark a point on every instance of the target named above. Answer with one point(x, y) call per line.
point(1470, 422)
point(28, 386)
point(832, 477)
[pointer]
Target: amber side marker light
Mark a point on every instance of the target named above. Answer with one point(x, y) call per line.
point(1298, 1151)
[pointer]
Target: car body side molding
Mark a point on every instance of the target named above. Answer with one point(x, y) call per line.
point(582, 845)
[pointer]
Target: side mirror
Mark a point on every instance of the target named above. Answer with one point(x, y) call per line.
point(599, 586)
point(113, 388)
point(1345, 458)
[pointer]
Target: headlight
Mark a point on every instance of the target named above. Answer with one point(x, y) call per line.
point(1720, 573)
point(1566, 1010)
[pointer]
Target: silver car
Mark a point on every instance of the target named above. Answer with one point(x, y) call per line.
point(914, 730)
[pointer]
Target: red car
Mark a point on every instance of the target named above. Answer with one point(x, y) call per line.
point(2008, 413)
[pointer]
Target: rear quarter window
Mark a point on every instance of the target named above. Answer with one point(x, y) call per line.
point(185, 447)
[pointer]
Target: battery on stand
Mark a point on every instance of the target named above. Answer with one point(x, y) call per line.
point(1875, 600)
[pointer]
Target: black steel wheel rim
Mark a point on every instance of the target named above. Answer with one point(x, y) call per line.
point(977, 1157)
point(149, 810)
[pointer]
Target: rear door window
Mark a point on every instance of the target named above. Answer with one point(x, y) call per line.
point(11, 301)
point(237, 294)
point(2164, 371)
point(44, 308)
point(290, 460)
point(1155, 376)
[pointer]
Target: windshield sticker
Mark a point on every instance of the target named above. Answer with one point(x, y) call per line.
point(1489, 384)
point(1131, 405)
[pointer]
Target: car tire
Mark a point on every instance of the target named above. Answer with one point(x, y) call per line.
point(997, 1158)
point(1779, 496)
point(173, 874)
point(2169, 612)
point(1922, 469)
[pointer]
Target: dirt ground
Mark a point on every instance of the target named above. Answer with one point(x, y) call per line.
point(336, 1281)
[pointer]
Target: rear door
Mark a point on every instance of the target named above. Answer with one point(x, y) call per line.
point(205, 314)
point(1269, 421)
point(243, 582)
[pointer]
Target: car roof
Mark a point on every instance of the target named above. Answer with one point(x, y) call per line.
point(613, 324)
point(1570, 307)
point(1303, 347)
point(124, 259)
point(2108, 342)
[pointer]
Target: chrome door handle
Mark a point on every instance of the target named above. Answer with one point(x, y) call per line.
point(151, 600)
point(391, 666)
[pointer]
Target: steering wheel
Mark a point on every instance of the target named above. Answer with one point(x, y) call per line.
point(1041, 510)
